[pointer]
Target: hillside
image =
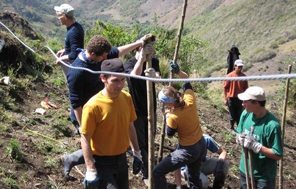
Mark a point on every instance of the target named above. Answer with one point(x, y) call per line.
point(31, 159)
point(256, 27)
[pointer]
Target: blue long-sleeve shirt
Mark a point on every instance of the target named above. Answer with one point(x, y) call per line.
point(83, 84)
point(74, 39)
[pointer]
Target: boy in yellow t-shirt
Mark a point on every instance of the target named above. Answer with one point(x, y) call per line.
point(108, 130)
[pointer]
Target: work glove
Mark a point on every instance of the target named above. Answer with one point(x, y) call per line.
point(148, 38)
point(150, 72)
point(240, 139)
point(147, 49)
point(91, 180)
point(137, 164)
point(174, 67)
point(219, 171)
point(252, 144)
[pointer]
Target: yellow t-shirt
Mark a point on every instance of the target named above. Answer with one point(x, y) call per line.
point(107, 121)
point(186, 121)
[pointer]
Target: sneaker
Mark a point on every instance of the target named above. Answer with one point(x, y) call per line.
point(67, 168)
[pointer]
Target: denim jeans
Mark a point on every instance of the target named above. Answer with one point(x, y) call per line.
point(258, 184)
point(192, 156)
point(112, 171)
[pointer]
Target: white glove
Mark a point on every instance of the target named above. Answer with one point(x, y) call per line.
point(137, 154)
point(90, 174)
point(240, 139)
point(252, 144)
point(150, 72)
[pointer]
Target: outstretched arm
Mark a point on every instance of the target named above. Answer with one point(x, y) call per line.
point(123, 50)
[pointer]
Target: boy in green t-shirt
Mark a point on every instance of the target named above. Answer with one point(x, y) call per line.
point(259, 131)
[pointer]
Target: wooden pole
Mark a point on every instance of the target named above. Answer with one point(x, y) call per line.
point(151, 126)
point(162, 136)
point(251, 168)
point(160, 152)
point(179, 37)
point(283, 129)
point(246, 167)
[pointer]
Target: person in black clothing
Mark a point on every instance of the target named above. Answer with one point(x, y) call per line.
point(232, 57)
point(137, 88)
point(74, 37)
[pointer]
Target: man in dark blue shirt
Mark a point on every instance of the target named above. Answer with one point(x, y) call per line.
point(74, 37)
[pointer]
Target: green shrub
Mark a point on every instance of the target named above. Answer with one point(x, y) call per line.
point(10, 182)
point(13, 151)
point(274, 45)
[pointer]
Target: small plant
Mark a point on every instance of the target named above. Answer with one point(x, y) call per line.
point(234, 169)
point(228, 137)
point(289, 176)
point(230, 152)
point(24, 176)
point(13, 151)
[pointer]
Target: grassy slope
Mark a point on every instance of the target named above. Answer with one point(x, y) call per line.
point(250, 24)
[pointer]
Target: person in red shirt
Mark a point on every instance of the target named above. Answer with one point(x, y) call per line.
point(231, 90)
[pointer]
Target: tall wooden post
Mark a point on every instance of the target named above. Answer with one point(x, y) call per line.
point(179, 37)
point(151, 126)
point(172, 76)
point(281, 163)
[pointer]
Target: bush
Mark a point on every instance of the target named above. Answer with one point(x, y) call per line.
point(274, 45)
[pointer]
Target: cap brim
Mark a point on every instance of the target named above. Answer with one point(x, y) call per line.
point(57, 8)
point(243, 96)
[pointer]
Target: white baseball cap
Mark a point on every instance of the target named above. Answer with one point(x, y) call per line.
point(65, 9)
point(253, 93)
point(239, 62)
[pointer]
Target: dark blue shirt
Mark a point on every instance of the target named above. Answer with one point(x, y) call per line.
point(83, 84)
point(74, 39)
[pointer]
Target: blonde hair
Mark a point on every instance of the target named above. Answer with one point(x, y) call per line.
point(174, 94)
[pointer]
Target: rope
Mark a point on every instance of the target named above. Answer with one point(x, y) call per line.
point(264, 77)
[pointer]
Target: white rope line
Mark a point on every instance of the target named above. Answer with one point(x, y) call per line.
point(209, 79)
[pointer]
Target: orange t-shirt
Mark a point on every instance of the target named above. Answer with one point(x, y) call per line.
point(186, 121)
point(235, 87)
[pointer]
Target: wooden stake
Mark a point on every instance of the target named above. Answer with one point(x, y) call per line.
point(151, 126)
point(172, 74)
point(162, 136)
point(283, 129)
point(246, 167)
point(251, 168)
point(179, 38)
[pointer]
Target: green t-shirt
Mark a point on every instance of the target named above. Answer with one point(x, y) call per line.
point(267, 131)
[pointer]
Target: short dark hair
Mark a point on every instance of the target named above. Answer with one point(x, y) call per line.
point(98, 44)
